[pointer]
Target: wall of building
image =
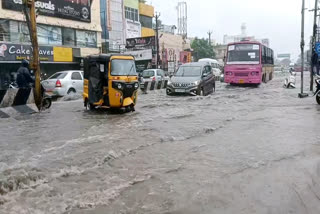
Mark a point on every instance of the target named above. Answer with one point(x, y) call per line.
point(94, 25)
point(146, 10)
point(146, 13)
point(132, 3)
point(170, 48)
point(116, 24)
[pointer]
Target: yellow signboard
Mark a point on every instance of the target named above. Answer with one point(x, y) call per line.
point(61, 54)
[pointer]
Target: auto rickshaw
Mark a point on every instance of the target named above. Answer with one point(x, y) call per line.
point(110, 81)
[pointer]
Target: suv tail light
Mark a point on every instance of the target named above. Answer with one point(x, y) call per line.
point(154, 79)
point(58, 84)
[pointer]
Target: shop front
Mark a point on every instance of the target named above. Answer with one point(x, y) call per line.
point(52, 59)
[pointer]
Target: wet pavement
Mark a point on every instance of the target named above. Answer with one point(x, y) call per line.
point(240, 150)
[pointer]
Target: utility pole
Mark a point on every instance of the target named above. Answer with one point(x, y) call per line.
point(30, 13)
point(157, 40)
point(210, 33)
point(314, 60)
point(302, 95)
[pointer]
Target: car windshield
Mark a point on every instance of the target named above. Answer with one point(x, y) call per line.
point(148, 73)
point(58, 76)
point(188, 71)
point(123, 68)
point(243, 54)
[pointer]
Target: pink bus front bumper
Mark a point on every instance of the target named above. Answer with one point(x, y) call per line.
point(242, 80)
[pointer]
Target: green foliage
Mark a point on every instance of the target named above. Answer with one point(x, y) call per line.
point(202, 49)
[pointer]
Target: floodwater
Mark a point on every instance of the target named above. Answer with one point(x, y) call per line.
point(240, 150)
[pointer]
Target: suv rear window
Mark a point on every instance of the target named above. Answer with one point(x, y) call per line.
point(58, 76)
point(148, 74)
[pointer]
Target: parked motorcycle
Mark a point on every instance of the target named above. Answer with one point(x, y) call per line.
point(317, 93)
point(290, 82)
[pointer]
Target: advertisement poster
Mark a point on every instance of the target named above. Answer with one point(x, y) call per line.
point(79, 10)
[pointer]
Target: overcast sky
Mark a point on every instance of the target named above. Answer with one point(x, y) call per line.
point(278, 20)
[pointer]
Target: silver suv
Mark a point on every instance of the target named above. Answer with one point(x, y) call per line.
point(64, 82)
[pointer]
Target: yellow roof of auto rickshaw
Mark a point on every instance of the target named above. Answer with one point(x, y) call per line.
point(107, 57)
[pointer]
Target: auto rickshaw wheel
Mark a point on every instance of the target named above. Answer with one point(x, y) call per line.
point(89, 106)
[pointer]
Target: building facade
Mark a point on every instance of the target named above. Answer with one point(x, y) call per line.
point(116, 25)
point(67, 31)
point(172, 51)
point(146, 14)
point(133, 26)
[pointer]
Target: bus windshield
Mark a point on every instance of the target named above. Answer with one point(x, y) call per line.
point(188, 71)
point(243, 54)
point(123, 68)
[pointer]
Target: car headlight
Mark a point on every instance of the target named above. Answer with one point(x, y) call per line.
point(119, 86)
point(169, 82)
point(136, 85)
point(196, 83)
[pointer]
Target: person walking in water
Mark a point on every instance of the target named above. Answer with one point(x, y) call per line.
point(24, 82)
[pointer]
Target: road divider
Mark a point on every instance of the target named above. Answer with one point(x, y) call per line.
point(151, 86)
point(17, 101)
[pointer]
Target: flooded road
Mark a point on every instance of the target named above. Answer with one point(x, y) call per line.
point(240, 150)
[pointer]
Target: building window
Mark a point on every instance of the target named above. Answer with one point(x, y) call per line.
point(19, 32)
point(86, 38)
point(146, 21)
point(68, 37)
point(132, 14)
point(49, 35)
point(4, 30)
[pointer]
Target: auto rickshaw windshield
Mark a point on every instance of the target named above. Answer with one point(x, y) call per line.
point(123, 68)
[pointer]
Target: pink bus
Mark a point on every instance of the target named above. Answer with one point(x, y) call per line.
point(248, 63)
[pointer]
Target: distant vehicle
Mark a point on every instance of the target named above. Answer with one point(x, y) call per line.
point(153, 75)
point(63, 83)
point(216, 67)
point(193, 78)
point(248, 63)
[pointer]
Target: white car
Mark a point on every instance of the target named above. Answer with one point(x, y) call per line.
point(63, 83)
point(153, 75)
point(214, 64)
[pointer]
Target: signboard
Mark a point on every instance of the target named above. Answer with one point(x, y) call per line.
point(141, 55)
point(61, 54)
point(284, 56)
point(171, 67)
point(66, 9)
point(133, 30)
point(18, 52)
point(317, 48)
point(140, 42)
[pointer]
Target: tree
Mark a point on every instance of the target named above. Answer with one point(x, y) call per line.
point(202, 49)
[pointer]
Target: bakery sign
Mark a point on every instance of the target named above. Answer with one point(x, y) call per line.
point(79, 10)
point(16, 52)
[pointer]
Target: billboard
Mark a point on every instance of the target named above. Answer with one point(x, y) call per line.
point(79, 10)
point(141, 42)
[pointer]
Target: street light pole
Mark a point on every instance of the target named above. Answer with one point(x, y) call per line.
point(30, 14)
point(302, 95)
point(157, 40)
point(314, 61)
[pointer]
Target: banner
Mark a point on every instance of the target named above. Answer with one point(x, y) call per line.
point(79, 10)
point(141, 42)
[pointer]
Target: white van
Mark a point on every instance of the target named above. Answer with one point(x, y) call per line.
point(214, 64)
